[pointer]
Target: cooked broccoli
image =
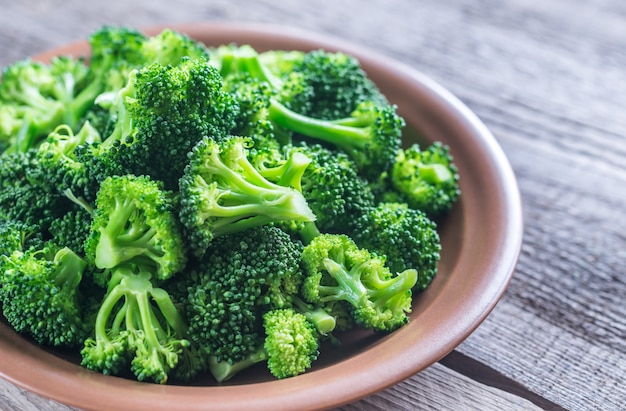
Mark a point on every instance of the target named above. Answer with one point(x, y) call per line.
point(288, 345)
point(221, 192)
point(138, 327)
point(253, 97)
point(72, 229)
point(338, 84)
point(174, 209)
point(406, 237)
point(426, 179)
point(163, 111)
point(39, 292)
point(134, 222)
point(291, 342)
point(37, 97)
point(117, 51)
point(331, 185)
point(241, 276)
point(337, 270)
point(371, 135)
point(23, 197)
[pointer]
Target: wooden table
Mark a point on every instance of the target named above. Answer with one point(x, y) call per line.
point(549, 79)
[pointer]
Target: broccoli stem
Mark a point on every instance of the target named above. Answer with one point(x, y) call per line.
point(323, 322)
point(70, 268)
point(344, 134)
point(223, 371)
point(124, 238)
point(308, 232)
point(385, 290)
point(349, 288)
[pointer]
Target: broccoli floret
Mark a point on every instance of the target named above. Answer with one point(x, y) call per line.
point(18, 236)
point(291, 343)
point(337, 270)
point(40, 296)
point(288, 87)
point(72, 229)
point(169, 47)
point(23, 196)
point(37, 97)
point(406, 237)
point(371, 135)
point(426, 179)
point(338, 82)
point(221, 192)
point(162, 112)
point(242, 276)
point(138, 327)
point(134, 222)
point(60, 169)
point(331, 185)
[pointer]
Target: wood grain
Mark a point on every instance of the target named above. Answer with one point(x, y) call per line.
point(549, 80)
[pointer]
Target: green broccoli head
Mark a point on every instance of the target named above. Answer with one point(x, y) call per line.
point(135, 222)
point(406, 237)
point(137, 328)
point(222, 192)
point(162, 112)
point(23, 195)
point(18, 236)
point(426, 179)
point(338, 270)
point(338, 83)
point(291, 343)
point(242, 276)
point(39, 292)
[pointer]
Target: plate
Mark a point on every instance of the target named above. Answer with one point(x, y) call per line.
point(481, 240)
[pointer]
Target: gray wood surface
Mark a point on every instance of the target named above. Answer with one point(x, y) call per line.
point(549, 79)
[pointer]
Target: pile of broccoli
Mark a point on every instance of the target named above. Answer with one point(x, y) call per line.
point(169, 209)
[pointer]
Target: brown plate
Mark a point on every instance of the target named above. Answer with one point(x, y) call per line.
point(481, 240)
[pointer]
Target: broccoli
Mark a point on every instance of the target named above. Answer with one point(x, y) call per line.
point(23, 196)
point(338, 270)
point(162, 112)
point(221, 192)
point(331, 185)
point(169, 209)
point(117, 51)
point(72, 229)
point(134, 222)
point(39, 292)
point(406, 237)
point(426, 179)
point(291, 342)
point(253, 97)
point(371, 135)
point(289, 345)
point(18, 236)
point(242, 277)
point(37, 97)
point(244, 62)
point(137, 326)
point(338, 84)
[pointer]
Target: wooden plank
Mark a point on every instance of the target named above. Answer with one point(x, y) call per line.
point(423, 392)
